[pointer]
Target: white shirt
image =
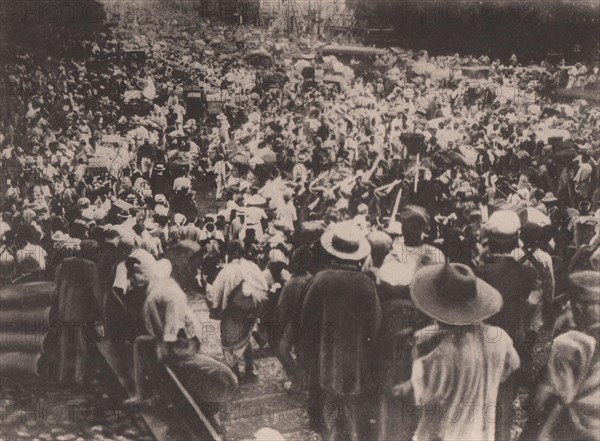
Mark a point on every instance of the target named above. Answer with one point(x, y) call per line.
point(456, 384)
point(34, 256)
point(286, 215)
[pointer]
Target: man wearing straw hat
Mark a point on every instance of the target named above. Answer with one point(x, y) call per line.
point(340, 318)
point(459, 362)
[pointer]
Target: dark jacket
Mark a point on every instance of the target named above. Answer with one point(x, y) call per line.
point(107, 261)
point(400, 320)
point(289, 305)
point(78, 288)
point(340, 320)
point(514, 281)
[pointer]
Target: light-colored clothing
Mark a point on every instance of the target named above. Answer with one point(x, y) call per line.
point(166, 311)
point(300, 173)
point(583, 180)
point(286, 216)
point(401, 264)
point(254, 217)
point(221, 170)
point(574, 373)
point(237, 292)
point(238, 272)
point(543, 285)
point(31, 258)
point(456, 383)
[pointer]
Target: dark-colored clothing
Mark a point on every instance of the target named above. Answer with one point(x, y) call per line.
point(289, 305)
point(185, 258)
point(160, 183)
point(107, 261)
point(78, 288)
point(288, 331)
point(343, 309)
point(340, 320)
point(184, 204)
point(400, 320)
point(348, 418)
point(514, 281)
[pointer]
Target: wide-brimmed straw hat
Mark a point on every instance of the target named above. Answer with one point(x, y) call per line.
point(451, 293)
point(549, 198)
point(59, 236)
point(255, 200)
point(346, 242)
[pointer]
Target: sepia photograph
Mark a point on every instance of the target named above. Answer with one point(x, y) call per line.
point(299, 220)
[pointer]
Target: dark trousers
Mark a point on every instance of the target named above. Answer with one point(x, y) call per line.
point(144, 364)
point(348, 418)
point(504, 412)
point(73, 344)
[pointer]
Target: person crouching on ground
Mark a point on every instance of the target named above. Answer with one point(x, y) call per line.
point(173, 337)
point(459, 359)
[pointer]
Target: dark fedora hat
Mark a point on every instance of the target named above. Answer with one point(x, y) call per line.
point(451, 293)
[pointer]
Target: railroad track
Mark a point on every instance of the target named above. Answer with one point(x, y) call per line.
point(262, 403)
point(179, 418)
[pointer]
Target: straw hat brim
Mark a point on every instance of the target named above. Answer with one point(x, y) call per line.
point(363, 250)
point(424, 292)
point(549, 199)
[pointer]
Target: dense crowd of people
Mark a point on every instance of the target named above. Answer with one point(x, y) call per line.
point(403, 236)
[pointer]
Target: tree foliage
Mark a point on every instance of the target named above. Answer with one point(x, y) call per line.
point(530, 28)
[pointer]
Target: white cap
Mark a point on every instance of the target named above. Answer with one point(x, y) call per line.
point(277, 256)
point(502, 225)
point(268, 434)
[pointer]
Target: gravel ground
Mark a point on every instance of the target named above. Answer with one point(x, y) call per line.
point(36, 410)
